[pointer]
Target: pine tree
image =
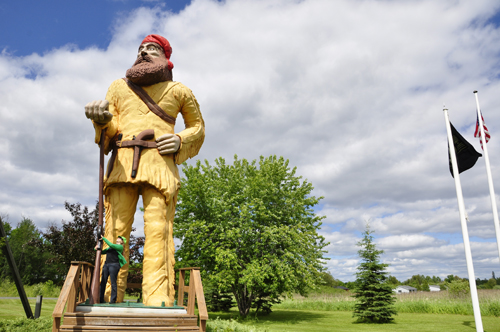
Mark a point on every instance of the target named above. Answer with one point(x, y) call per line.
point(374, 297)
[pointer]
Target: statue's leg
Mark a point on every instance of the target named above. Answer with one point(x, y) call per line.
point(120, 205)
point(158, 265)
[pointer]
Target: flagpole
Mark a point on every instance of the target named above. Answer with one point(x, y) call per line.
point(465, 233)
point(488, 172)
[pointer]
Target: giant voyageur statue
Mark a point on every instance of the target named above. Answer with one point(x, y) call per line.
point(139, 113)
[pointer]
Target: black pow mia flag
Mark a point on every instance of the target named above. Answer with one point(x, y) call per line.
point(465, 152)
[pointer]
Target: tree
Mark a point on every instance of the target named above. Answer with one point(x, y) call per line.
point(8, 229)
point(450, 277)
point(328, 279)
point(436, 280)
point(374, 297)
point(392, 281)
point(251, 228)
point(491, 283)
point(74, 241)
point(30, 261)
point(417, 281)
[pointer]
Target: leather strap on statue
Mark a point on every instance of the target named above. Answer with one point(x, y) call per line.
point(114, 147)
point(138, 143)
point(150, 103)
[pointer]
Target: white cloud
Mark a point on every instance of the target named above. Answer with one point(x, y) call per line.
point(350, 91)
point(398, 242)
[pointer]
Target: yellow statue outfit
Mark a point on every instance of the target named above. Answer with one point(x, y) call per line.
point(157, 180)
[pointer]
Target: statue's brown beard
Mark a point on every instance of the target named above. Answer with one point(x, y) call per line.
point(148, 71)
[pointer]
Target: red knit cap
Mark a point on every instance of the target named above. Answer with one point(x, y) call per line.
point(164, 44)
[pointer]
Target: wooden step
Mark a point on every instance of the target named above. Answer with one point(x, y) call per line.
point(129, 320)
point(85, 328)
point(80, 321)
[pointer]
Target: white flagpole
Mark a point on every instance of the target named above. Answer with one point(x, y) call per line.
point(488, 172)
point(465, 233)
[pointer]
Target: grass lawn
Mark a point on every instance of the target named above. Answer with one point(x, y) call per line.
point(294, 320)
point(11, 309)
point(284, 320)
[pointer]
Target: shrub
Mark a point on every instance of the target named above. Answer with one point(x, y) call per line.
point(47, 289)
point(50, 289)
point(218, 325)
point(492, 309)
point(42, 324)
point(218, 299)
point(459, 288)
point(8, 288)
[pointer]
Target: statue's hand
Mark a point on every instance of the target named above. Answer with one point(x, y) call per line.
point(168, 143)
point(98, 111)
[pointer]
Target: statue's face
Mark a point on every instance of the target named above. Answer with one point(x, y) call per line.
point(152, 49)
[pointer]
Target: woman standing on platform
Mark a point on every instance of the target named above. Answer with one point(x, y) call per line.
point(113, 264)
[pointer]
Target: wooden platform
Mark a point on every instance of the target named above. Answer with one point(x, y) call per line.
point(126, 317)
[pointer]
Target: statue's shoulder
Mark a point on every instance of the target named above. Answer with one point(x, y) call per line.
point(176, 88)
point(117, 85)
point(181, 88)
point(179, 85)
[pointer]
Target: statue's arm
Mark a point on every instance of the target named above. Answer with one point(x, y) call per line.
point(102, 113)
point(193, 135)
point(187, 143)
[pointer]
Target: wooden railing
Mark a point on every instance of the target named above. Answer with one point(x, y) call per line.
point(75, 290)
point(195, 294)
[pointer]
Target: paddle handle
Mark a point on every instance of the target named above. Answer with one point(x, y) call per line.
point(94, 289)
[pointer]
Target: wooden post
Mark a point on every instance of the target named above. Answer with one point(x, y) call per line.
point(85, 282)
point(200, 298)
point(69, 283)
point(180, 290)
point(38, 306)
point(73, 293)
point(195, 294)
point(56, 324)
point(191, 295)
point(15, 272)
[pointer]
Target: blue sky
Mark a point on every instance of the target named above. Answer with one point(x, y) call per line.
point(39, 26)
point(351, 92)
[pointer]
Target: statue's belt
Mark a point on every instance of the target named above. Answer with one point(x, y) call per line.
point(138, 143)
point(133, 143)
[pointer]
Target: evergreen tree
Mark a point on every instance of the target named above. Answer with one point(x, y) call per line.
point(374, 297)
